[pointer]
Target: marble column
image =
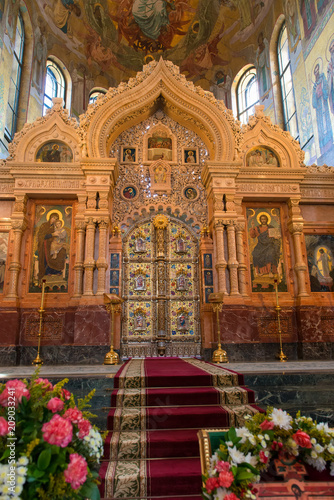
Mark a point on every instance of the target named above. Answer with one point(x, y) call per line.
point(101, 263)
point(220, 253)
point(232, 263)
point(296, 230)
point(89, 263)
point(18, 227)
point(80, 254)
point(242, 269)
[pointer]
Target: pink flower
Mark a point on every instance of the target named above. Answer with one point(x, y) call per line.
point(211, 484)
point(267, 425)
point(74, 415)
point(225, 479)
point(84, 428)
point(76, 471)
point(66, 394)
point(302, 439)
point(55, 404)
point(14, 392)
point(263, 457)
point(231, 496)
point(58, 431)
point(45, 382)
point(222, 466)
point(3, 426)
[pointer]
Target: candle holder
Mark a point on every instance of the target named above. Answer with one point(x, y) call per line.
point(113, 305)
point(219, 355)
point(38, 361)
point(280, 355)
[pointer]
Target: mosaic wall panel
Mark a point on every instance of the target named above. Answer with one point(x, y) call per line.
point(140, 242)
point(138, 309)
point(181, 246)
point(181, 280)
point(182, 318)
point(140, 278)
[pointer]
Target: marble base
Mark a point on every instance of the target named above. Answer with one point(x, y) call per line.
point(253, 352)
point(54, 355)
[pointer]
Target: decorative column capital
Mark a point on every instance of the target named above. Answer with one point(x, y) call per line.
point(295, 227)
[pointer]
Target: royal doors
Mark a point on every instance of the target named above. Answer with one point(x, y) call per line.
point(161, 290)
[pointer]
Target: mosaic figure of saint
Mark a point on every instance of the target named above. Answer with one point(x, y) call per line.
point(266, 253)
point(320, 104)
point(140, 283)
point(50, 263)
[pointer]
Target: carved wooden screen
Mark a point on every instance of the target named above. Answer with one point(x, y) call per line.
point(161, 290)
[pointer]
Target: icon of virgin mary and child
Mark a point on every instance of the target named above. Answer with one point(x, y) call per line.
point(52, 246)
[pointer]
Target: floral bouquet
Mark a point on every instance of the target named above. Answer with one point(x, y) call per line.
point(246, 452)
point(48, 447)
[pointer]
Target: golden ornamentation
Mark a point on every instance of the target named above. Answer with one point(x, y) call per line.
point(280, 355)
point(160, 221)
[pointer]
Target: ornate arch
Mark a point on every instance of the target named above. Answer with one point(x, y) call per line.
point(160, 85)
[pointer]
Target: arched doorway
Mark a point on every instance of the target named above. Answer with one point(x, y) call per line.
point(161, 290)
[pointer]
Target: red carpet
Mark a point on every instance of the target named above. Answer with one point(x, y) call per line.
point(157, 407)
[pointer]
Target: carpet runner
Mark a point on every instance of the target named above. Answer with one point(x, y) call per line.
point(157, 407)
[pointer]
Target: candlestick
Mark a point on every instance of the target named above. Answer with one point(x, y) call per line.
point(37, 360)
point(112, 303)
point(219, 355)
point(280, 355)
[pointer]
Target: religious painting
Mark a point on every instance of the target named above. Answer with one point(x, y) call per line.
point(128, 154)
point(159, 147)
point(139, 319)
point(262, 157)
point(208, 291)
point(182, 321)
point(130, 193)
point(160, 174)
point(265, 249)
point(140, 244)
point(3, 258)
point(208, 278)
point(54, 152)
point(207, 260)
point(114, 278)
point(115, 291)
point(140, 283)
point(180, 245)
point(190, 155)
point(51, 245)
point(190, 193)
point(320, 260)
point(181, 282)
point(114, 261)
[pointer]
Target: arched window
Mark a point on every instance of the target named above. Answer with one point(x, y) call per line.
point(286, 83)
point(94, 94)
point(54, 84)
point(247, 95)
point(15, 79)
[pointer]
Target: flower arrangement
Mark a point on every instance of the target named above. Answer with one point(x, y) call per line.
point(246, 452)
point(48, 447)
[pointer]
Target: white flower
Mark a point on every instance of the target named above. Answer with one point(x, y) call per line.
point(314, 454)
point(21, 471)
point(229, 443)
point(260, 437)
point(332, 469)
point(330, 448)
point(266, 437)
point(252, 440)
point(318, 448)
point(318, 463)
point(23, 461)
point(220, 494)
point(263, 443)
point(323, 427)
point(281, 419)
point(313, 441)
point(236, 456)
point(250, 459)
point(242, 433)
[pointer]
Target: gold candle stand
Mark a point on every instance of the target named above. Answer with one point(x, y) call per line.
point(219, 355)
point(280, 355)
point(113, 305)
point(37, 361)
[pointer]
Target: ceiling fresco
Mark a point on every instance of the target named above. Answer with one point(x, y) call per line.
point(117, 37)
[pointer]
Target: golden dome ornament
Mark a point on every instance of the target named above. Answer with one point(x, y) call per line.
point(160, 221)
